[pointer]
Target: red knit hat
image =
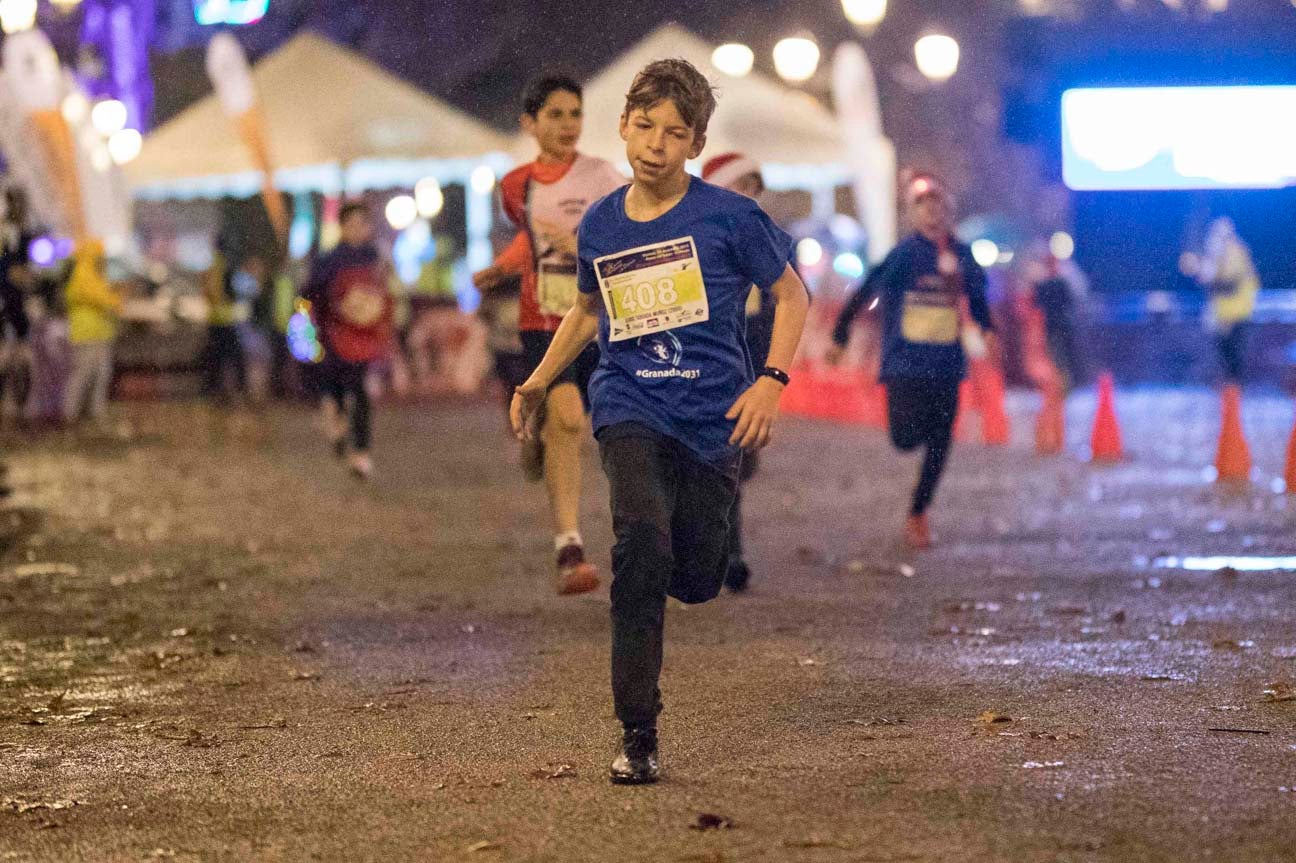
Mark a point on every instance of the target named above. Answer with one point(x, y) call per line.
point(728, 168)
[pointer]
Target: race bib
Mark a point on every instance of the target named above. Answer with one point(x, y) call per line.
point(556, 287)
point(652, 289)
point(929, 319)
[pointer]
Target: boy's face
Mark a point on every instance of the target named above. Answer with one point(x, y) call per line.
point(932, 214)
point(658, 142)
point(356, 229)
point(557, 125)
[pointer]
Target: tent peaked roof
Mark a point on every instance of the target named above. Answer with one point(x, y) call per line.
point(323, 104)
point(755, 114)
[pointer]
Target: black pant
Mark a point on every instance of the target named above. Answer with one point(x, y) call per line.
point(921, 412)
point(341, 379)
point(223, 351)
point(670, 515)
point(1232, 348)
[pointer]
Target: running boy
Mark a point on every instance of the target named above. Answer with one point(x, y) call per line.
point(927, 286)
point(352, 307)
point(665, 267)
point(546, 199)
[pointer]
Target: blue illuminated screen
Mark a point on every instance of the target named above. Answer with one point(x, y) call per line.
point(1179, 138)
point(230, 11)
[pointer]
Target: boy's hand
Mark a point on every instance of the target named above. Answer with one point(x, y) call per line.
point(561, 241)
point(836, 353)
point(525, 408)
point(484, 280)
point(755, 410)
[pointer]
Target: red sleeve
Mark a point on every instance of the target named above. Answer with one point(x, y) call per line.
point(516, 256)
point(513, 190)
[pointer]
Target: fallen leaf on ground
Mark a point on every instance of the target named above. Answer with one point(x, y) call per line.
point(807, 661)
point(1279, 691)
point(20, 806)
point(876, 721)
point(1230, 644)
point(484, 845)
point(816, 842)
point(1043, 765)
point(990, 717)
point(198, 740)
point(277, 722)
point(711, 821)
point(28, 570)
point(907, 571)
point(555, 771)
point(306, 675)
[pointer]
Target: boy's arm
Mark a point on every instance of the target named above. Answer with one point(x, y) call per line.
point(865, 292)
point(978, 302)
point(756, 409)
point(579, 327)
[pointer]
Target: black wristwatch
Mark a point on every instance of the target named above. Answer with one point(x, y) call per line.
point(777, 374)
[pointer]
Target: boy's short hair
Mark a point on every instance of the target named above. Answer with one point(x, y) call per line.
point(353, 208)
point(539, 91)
point(679, 81)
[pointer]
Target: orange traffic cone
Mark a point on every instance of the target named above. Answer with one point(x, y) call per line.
point(989, 385)
point(1233, 458)
point(1106, 439)
point(1050, 426)
point(1289, 474)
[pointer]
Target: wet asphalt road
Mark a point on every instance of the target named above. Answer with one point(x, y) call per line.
point(214, 645)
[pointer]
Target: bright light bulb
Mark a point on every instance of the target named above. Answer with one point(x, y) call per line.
point(66, 5)
point(985, 252)
point(17, 15)
point(125, 145)
point(733, 59)
point(402, 210)
point(849, 265)
point(1062, 246)
point(75, 108)
point(809, 252)
point(108, 117)
point(429, 197)
point(937, 56)
point(865, 13)
point(796, 58)
point(482, 179)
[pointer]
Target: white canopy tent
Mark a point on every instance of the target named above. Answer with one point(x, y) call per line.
point(336, 123)
point(795, 138)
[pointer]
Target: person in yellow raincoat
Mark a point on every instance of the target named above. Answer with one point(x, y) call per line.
point(93, 307)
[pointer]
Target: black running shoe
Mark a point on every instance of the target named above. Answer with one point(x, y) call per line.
point(738, 576)
point(637, 763)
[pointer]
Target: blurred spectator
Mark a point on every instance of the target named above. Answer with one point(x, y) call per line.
point(226, 310)
point(15, 283)
point(1059, 294)
point(93, 308)
point(500, 311)
point(1229, 277)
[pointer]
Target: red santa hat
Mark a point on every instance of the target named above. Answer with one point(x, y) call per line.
point(919, 184)
point(728, 168)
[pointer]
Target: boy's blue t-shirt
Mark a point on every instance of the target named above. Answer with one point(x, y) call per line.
point(681, 376)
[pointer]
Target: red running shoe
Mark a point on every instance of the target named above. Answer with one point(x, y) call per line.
point(916, 533)
point(575, 574)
